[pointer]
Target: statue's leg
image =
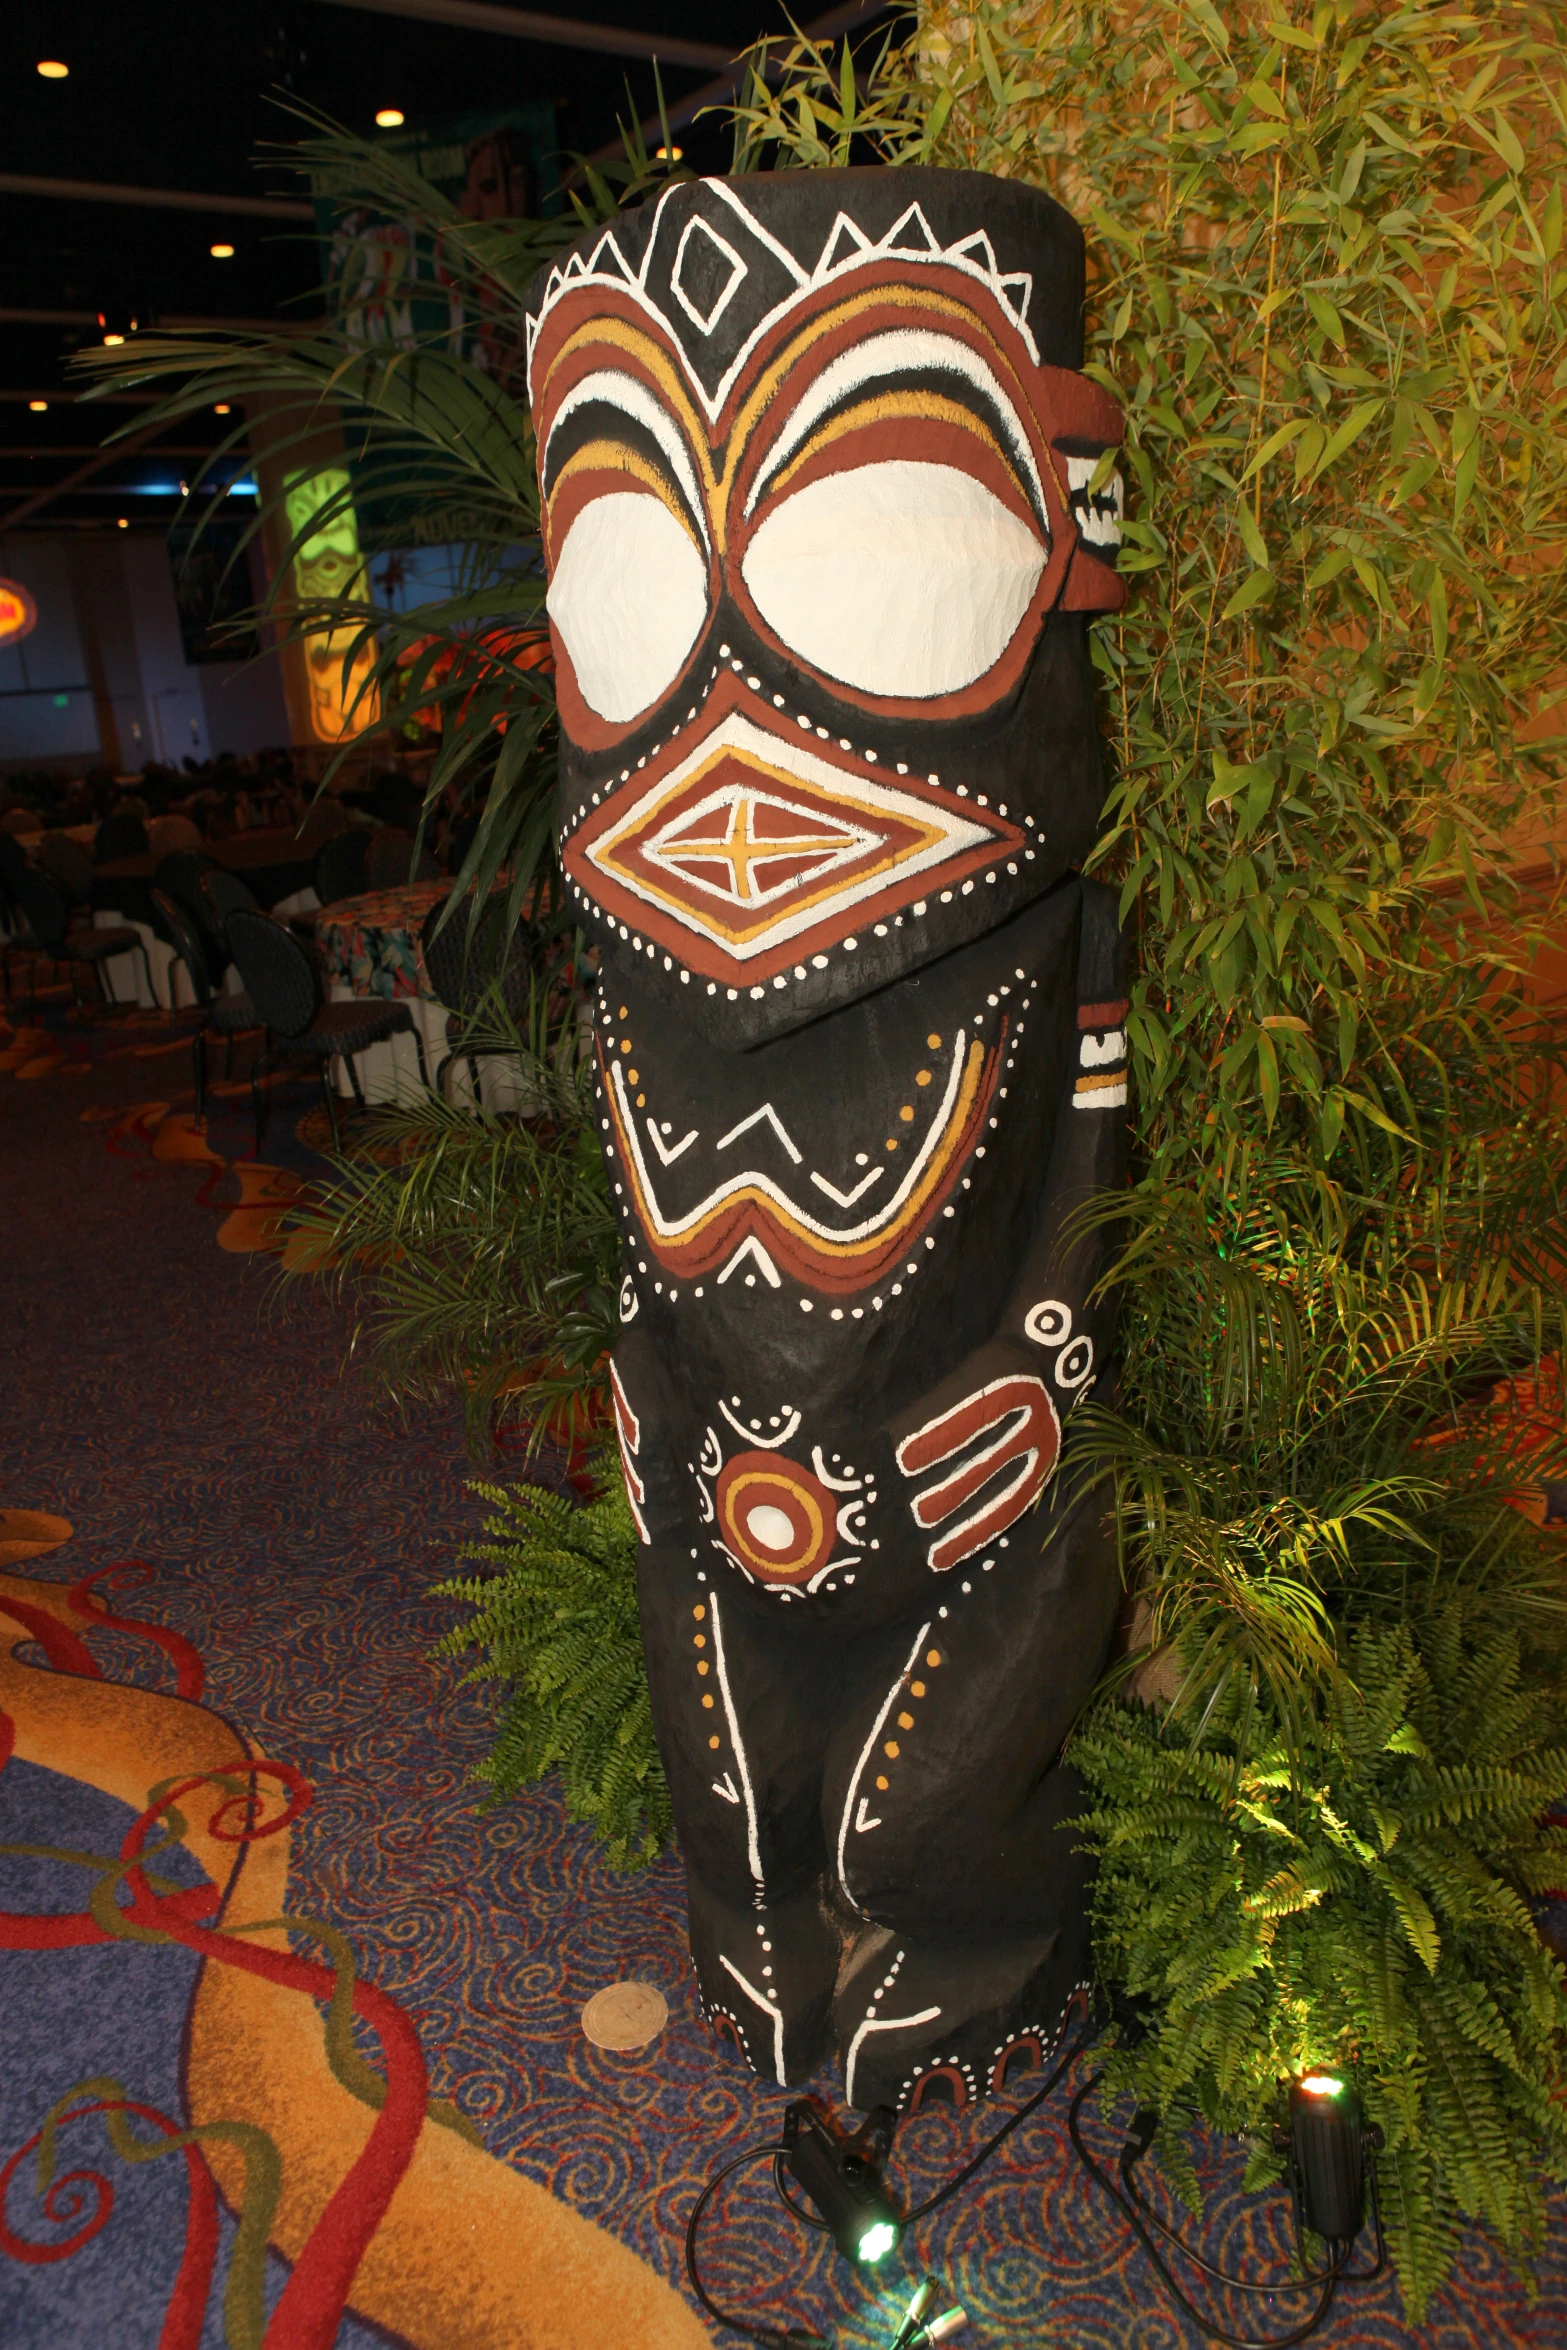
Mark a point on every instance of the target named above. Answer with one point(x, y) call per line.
point(948, 1812)
point(739, 1699)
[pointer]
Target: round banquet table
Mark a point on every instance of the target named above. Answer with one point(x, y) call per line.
point(369, 946)
point(269, 862)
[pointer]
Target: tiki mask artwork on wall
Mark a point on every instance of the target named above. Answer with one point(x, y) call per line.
point(824, 525)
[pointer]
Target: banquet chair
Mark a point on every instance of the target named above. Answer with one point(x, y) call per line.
point(68, 864)
point(223, 1015)
point(284, 984)
point(179, 877)
point(391, 863)
point(223, 894)
point(53, 932)
point(13, 860)
point(340, 866)
point(463, 971)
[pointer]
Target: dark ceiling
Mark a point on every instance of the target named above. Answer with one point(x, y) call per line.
point(181, 95)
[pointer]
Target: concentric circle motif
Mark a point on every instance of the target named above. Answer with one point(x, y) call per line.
point(776, 1519)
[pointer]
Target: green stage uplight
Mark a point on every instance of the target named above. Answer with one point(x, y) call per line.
point(842, 2177)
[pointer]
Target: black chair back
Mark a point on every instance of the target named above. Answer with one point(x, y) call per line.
point(391, 863)
point(179, 876)
point(47, 915)
point(68, 864)
point(340, 867)
point(279, 976)
point(224, 894)
point(180, 932)
point(119, 836)
point(461, 970)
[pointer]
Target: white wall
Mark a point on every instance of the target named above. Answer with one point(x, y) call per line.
point(46, 703)
point(107, 620)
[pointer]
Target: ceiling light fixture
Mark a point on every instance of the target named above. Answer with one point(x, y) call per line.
point(38, 406)
point(221, 252)
point(220, 407)
point(389, 118)
point(52, 70)
point(123, 524)
point(668, 154)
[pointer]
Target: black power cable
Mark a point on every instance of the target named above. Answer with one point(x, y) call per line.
point(775, 2337)
point(1141, 2216)
point(798, 2337)
point(1144, 2220)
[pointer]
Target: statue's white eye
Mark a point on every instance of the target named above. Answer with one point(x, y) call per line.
point(629, 597)
point(901, 578)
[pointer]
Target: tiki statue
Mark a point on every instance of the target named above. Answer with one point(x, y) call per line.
point(824, 533)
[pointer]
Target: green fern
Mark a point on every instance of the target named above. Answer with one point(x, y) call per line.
point(557, 1622)
point(1360, 1902)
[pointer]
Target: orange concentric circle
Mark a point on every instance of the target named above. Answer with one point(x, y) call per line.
point(777, 1520)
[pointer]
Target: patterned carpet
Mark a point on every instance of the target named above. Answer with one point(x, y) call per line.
point(158, 1410)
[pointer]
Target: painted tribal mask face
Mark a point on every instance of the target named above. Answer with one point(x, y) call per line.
point(820, 521)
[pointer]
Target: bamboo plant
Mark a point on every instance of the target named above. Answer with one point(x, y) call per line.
point(1326, 282)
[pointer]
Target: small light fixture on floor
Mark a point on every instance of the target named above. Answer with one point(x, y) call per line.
point(843, 2178)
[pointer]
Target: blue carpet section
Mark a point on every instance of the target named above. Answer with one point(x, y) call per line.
point(294, 1529)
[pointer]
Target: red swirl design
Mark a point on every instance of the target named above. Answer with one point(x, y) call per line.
point(182, 2320)
point(87, 1600)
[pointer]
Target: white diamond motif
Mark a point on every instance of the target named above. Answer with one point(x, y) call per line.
point(705, 322)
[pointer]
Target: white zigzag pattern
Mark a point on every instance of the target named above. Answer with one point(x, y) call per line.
point(847, 248)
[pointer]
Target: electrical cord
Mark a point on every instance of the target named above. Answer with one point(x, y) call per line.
point(1132, 2153)
point(943, 2194)
point(775, 2337)
point(1145, 2222)
point(798, 2337)
point(1134, 2209)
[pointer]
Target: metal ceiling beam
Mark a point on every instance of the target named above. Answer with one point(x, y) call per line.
point(90, 449)
point(68, 399)
point(169, 319)
point(109, 456)
point(555, 32)
point(28, 183)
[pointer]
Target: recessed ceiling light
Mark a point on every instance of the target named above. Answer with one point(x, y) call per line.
point(38, 406)
point(124, 525)
point(52, 70)
point(389, 118)
point(111, 340)
point(221, 252)
point(220, 407)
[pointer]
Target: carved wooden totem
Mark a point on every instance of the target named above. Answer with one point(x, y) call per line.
point(822, 544)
